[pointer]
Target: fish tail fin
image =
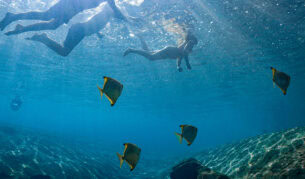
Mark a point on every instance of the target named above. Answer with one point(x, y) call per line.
point(179, 137)
point(101, 91)
point(121, 159)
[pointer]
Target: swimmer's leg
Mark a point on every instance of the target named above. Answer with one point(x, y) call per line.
point(143, 43)
point(43, 38)
point(10, 17)
point(117, 13)
point(49, 25)
point(156, 55)
point(74, 37)
point(147, 54)
point(51, 13)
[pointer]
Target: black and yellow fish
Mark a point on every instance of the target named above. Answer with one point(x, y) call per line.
point(131, 155)
point(112, 89)
point(188, 132)
point(281, 79)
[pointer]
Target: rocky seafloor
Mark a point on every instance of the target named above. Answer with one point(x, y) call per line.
point(25, 154)
point(276, 155)
point(32, 154)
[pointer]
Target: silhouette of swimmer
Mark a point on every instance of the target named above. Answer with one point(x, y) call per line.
point(16, 103)
point(79, 31)
point(169, 52)
point(57, 15)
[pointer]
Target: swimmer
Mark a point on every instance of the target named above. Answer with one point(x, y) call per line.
point(16, 103)
point(79, 31)
point(169, 52)
point(59, 14)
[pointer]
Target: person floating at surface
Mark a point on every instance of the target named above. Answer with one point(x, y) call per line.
point(57, 15)
point(79, 31)
point(169, 52)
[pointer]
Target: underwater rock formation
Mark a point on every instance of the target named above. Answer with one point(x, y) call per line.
point(192, 169)
point(280, 155)
point(29, 154)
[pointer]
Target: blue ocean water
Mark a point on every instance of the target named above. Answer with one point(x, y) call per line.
point(228, 94)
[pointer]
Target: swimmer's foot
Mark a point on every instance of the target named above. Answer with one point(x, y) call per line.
point(127, 52)
point(38, 37)
point(18, 29)
point(6, 20)
point(179, 69)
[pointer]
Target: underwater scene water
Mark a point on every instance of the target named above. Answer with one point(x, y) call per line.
point(54, 124)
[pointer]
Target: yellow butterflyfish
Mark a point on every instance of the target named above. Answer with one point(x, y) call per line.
point(131, 155)
point(112, 89)
point(188, 132)
point(281, 79)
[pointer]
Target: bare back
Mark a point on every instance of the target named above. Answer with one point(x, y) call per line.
point(64, 10)
point(169, 52)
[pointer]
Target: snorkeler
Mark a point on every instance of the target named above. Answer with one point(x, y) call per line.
point(16, 103)
point(169, 52)
point(79, 31)
point(57, 15)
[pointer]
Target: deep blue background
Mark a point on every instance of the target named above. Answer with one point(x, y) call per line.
point(228, 95)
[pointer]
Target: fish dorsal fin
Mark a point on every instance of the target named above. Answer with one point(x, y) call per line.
point(105, 81)
point(126, 145)
point(182, 126)
point(274, 70)
point(273, 73)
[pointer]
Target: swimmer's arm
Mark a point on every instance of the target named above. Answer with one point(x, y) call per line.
point(188, 65)
point(117, 12)
point(179, 64)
